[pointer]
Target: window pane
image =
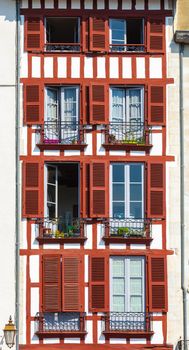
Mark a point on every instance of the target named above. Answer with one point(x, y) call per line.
point(118, 303)
point(51, 193)
point(135, 192)
point(52, 104)
point(118, 267)
point(118, 192)
point(136, 268)
point(135, 173)
point(118, 210)
point(51, 210)
point(136, 209)
point(118, 110)
point(119, 286)
point(118, 173)
point(136, 286)
point(135, 103)
point(136, 304)
point(117, 24)
point(51, 175)
point(70, 102)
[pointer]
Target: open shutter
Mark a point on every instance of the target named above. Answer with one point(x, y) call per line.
point(98, 99)
point(156, 190)
point(71, 284)
point(98, 189)
point(51, 283)
point(33, 33)
point(33, 102)
point(32, 173)
point(155, 35)
point(156, 104)
point(98, 37)
point(98, 284)
point(157, 284)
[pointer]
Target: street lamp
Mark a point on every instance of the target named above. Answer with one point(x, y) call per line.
point(9, 333)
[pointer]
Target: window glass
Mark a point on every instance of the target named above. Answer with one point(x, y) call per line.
point(118, 31)
point(52, 104)
point(118, 172)
point(135, 173)
point(118, 192)
point(118, 104)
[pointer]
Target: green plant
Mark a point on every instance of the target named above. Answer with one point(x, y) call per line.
point(111, 138)
point(121, 231)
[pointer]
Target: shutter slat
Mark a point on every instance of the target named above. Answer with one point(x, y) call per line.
point(98, 189)
point(98, 284)
point(33, 101)
point(98, 104)
point(31, 190)
point(157, 284)
point(33, 33)
point(156, 196)
point(156, 105)
point(71, 280)
point(98, 37)
point(51, 283)
point(155, 35)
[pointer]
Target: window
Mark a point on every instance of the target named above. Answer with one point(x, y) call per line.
point(127, 35)
point(127, 284)
point(127, 190)
point(127, 104)
point(62, 34)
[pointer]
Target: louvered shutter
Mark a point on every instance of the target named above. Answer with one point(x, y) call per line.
point(33, 33)
point(51, 283)
point(98, 34)
point(156, 104)
point(155, 35)
point(98, 298)
point(157, 284)
point(32, 174)
point(156, 185)
point(98, 99)
point(71, 284)
point(33, 104)
point(98, 189)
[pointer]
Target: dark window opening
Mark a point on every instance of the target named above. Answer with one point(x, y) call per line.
point(135, 31)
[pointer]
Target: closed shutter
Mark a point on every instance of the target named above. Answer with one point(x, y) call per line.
point(157, 284)
point(98, 189)
point(98, 99)
point(155, 35)
point(156, 104)
point(33, 102)
point(156, 190)
point(33, 33)
point(51, 283)
point(98, 284)
point(98, 37)
point(71, 284)
point(32, 173)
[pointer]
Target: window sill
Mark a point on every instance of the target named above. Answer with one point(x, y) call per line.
point(61, 334)
point(127, 146)
point(128, 334)
point(58, 146)
point(50, 240)
point(128, 240)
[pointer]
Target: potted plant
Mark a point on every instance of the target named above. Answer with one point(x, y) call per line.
point(111, 138)
point(123, 231)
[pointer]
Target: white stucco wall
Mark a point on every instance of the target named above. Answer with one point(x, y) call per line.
point(7, 163)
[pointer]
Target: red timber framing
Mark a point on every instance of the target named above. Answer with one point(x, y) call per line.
point(72, 279)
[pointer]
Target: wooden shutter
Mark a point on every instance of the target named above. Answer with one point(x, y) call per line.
point(98, 99)
point(71, 282)
point(155, 35)
point(51, 283)
point(157, 284)
point(33, 104)
point(98, 298)
point(33, 33)
point(98, 37)
point(156, 190)
point(98, 189)
point(156, 104)
point(32, 173)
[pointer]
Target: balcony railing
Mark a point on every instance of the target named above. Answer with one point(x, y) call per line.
point(63, 47)
point(128, 229)
point(59, 229)
point(123, 323)
point(129, 135)
point(58, 133)
point(183, 345)
point(127, 48)
point(66, 324)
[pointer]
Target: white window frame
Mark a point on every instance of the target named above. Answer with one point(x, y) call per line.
point(127, 187)
point(62, 99)
point(46, 189)
point(125, 30)
point(127, 278)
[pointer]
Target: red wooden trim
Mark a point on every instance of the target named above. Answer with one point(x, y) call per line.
point(61, 147)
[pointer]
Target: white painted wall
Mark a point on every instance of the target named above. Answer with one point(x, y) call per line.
point(7, 163)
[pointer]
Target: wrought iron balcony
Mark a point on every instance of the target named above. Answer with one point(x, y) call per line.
point(63, 324)
point(68, 47)
point(127, 323)
point(127, 48)
point(132, 135)
point(58, 230)
point(58, 134)
point(183, 345)
point(128, 230)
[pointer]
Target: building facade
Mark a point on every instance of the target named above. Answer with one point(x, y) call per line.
point(97, 162)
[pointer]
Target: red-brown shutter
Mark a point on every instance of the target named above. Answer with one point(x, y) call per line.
point(98, 189)
point(71, 284)
point(157, 284)
point(33, 33)
point(98, 34)
point(98, 298)
point(32, 173)
point(33, 104)
point(156, 104)
point(156, 187)
point(98, 98)
point(155, 35)
point(51, 283)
